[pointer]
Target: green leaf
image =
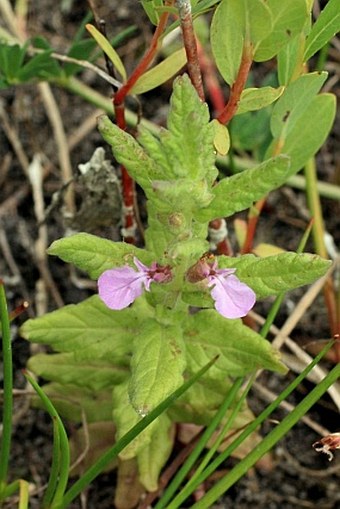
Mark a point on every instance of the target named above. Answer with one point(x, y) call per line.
point(94, 254)
point(11, 59)
point(80, 50)
point(200, 403)
point(65, 368)
point(153, 457)
point(310, 131)
point(275, 274)
point(150, 7)
point(235, 21)
point(288, 19)
point(125, 417)
point(240, 191)
point(240, 349)
point(294, 102)
point(160, 73)
point(157, 364)
point(221, 138)
point(290, 60)
point(73, 402)
point(108, 50)
point(89, 329)
point(253, 99)
point(128, 152)
point(325, 27)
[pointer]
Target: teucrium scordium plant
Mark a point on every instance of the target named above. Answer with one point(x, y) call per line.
point(143, 351)
point(164, 311)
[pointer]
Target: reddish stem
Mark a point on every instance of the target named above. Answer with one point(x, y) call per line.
point(252, 223)
point(128, 185)
point(236, 90)
point(145, 62)
point(190, 45)
point(211, 82)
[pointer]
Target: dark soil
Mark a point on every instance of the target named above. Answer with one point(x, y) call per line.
point(295, 475)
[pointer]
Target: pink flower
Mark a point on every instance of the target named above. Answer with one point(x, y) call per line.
point(233, 299)
point(118, 288)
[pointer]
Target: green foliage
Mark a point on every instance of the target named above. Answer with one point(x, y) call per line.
point(253, 99)
point(234, 23)
point(119, 365)
point(157, 364)
point(160, 73)
point(276, 274)
point(94, 255)
point(240, 191)
point(326, 26)
point(240, 349)
point(288, 19)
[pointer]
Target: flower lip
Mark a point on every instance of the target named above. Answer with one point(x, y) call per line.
point(233, 299)
point(119, 287)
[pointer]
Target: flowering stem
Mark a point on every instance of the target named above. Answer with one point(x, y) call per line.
point(230, 109)
point(128, 186)
point(189, 39)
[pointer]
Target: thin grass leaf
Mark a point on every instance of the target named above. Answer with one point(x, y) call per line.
point(108, 50)
point(64, 451)
point(98, 467)
point(269, 441)
point(189, 463)
point(178, 500)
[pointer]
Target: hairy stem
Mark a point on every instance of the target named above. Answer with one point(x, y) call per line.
point(189, 39)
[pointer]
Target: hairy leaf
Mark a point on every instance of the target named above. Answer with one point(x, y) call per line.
point(125, 417)
point(75, 403)
point(89, 329)
point(65, 368)
point(152, 458)
point(157, 364)
point(240, 349)
point(128, 152)
point(240, 191)
point(94, 254)
point(275, 274)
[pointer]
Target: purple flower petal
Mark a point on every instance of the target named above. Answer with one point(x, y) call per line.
point(233, 299)
point(118, 288)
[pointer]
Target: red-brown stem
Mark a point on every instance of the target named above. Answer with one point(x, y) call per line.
point(236, 90)
point(211, 82)
point(128, 185)
point(145, 62)
point(190, 45)
point(254, 215)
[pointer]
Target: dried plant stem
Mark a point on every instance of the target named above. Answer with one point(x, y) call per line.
point(190, 45)
point(55, 119)
point(236, 90)
point(320, 247)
